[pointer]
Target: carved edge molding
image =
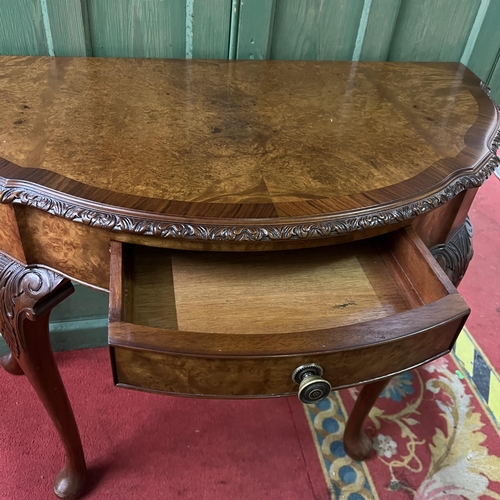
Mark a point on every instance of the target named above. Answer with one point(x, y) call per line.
point(21, 288)
point(495, 144)
point(106, 219)
point(111, 218)
point(455, 255)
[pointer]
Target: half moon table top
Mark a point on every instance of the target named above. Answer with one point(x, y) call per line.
point(240, 150)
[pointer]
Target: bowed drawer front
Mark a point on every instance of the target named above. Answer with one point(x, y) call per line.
point(221, 324)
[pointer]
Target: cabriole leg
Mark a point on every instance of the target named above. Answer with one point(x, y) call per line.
point(27, 295)
point(357, 444)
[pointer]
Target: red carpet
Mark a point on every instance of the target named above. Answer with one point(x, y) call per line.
point(433, 442)
point(481, 285)
point(144, 446)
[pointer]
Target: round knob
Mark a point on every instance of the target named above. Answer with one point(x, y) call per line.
point(312, 387)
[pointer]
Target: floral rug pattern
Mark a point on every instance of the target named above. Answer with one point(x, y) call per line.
point(432, 441)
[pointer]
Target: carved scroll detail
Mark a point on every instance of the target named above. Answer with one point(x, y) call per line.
point(21, 288)
point(455, 255)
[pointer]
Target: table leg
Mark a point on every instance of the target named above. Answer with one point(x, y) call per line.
point(10, 365)
point(357, 444)
point(27, 295)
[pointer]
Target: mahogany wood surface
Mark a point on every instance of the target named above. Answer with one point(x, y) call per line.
point(240, 151)
point(28, 294)
point(357, 444)
point(10, 365)
point(243, 377)
point(357, 335)
point(237, 325)
point(10, 238)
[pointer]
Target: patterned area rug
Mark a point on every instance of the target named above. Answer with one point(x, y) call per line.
point(433, 439)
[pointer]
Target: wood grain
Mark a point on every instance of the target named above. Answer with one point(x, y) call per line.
point(225, 293)
point(242, 120)
point(265, 377)
point(10, 238)
point(237, 325)
point(153, 292)
point(309, 146)
point(380, 30)
point(77, 251)
point(211, 20)
point(118, 304)
point(68, 27)
point(354, 336)
point(21, 28)
point(137, 28)
point(315, 29)
point(439, 35)
point(221, 325)
point(309, 293)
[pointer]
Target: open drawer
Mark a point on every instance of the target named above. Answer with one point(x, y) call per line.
point(238, 324)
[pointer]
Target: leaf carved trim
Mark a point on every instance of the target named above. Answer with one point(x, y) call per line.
point(113, 219)
point(21, 288)
point(455, 255)
point(495, 143)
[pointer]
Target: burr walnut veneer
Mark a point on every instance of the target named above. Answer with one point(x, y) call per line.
point(264, 228)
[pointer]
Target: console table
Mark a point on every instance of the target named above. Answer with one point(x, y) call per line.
point(264, 228)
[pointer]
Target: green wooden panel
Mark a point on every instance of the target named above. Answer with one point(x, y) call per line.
point(211, 21)
point(380, 29)
point(68, 27)
point(138, 28)
point(74, 334)
point(80, 321)
point(255, 29)
point(315, 29)
point(79, 334)
point(430, 30)
point(494, 82)
point(86, 27)
point(22, 29)
point(484, 54)
point(233, 28)
point(84, 303)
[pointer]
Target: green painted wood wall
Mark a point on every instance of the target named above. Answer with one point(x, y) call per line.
point(371, 30)
point(395, 30)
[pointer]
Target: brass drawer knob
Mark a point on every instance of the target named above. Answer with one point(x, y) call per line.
point(312, 387)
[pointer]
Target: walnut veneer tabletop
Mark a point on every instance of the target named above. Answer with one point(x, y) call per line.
point(240, 149)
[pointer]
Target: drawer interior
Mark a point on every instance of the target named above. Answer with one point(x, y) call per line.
point(260, 293)
point(275, 292)
point(238, 324)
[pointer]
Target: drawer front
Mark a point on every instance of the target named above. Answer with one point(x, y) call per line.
point(241, 377)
